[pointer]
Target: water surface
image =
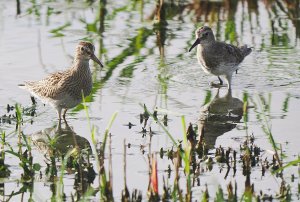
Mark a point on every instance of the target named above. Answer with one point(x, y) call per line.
point(151, 65)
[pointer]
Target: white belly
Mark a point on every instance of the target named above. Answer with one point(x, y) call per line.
point(65, 101)
point(222, 69)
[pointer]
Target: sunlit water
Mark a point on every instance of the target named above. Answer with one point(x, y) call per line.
point(164, 76)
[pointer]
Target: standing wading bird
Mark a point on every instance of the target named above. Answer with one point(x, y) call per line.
point(218, 58)
point(63, 90)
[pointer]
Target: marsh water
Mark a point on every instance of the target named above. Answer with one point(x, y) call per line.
point(144, 46)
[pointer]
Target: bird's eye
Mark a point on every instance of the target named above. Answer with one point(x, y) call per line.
point(206, 34)
point(82, 49)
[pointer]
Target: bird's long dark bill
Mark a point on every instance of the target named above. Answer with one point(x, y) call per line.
point(96, 60)
point(195, 44)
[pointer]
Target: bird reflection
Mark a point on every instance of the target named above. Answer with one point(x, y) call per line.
point(57, 140)
point(218, 117)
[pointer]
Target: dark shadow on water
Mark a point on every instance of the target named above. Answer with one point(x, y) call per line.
point(218, 117)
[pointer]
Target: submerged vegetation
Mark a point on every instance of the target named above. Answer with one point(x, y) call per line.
point(165, 153)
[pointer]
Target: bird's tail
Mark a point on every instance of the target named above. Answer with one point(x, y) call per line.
point(245, 50)
point(22, 86)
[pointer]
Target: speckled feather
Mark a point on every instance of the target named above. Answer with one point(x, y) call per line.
point(71, 81)
point(219, 53)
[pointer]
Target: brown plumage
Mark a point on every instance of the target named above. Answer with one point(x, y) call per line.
point(218, 58)
point(63, 90)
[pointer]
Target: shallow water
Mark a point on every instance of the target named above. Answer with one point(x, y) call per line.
point(151, 66)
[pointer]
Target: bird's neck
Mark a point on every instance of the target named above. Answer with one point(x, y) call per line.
point(205, 48)
point(204, 52)
point(80, 63)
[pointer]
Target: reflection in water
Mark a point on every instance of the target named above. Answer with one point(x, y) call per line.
point(218, 117)
point(59, 140)
point(56, 142)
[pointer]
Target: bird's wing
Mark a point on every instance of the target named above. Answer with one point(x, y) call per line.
point(49, 87)
point(233, 53)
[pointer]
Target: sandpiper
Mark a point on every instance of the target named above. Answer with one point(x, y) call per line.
point(63, 90)
point(218, 58)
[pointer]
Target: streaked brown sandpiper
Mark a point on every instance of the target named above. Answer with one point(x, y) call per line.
point(63, 90)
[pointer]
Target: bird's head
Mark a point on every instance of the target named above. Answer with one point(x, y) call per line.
point(204, 35)
point(85, 50)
